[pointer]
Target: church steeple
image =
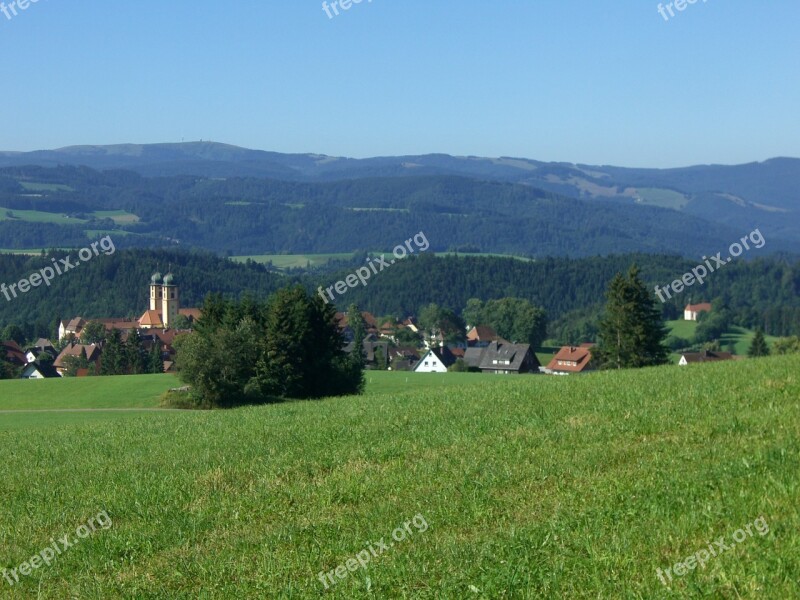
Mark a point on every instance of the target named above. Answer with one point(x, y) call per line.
point(170, 301)
point(155, 291)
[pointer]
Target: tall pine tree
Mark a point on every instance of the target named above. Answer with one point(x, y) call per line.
point(631, 330)
point(758, 347)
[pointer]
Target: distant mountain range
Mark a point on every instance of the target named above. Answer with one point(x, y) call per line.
point(718, 202)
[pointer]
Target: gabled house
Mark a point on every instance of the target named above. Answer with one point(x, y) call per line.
point(692, 311)
point(435, 360)
point(343, 322)
point(571, 359)
point(403, 358)
point(12, 353)
point(71, 328)
point(481, 336)
point(93, 353)
point(502, 358)
point(39, 370)
point(412, 324)
point(703, 357)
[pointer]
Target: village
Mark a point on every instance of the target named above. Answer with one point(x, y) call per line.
point(79, 349)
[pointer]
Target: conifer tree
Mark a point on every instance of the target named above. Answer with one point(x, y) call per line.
point(631, 330)
point(758, 347)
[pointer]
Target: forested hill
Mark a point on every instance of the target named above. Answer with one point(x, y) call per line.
point(44, 208)
point(117, 285)
point(739, 196)
point(763, 292)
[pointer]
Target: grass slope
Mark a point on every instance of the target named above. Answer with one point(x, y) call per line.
point(740, 337)
point(575, 487)
point(137, 391)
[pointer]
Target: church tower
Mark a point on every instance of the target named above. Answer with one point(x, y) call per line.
point(155, 291)
point(170, 302)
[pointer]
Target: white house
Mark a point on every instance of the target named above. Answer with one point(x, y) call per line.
point(692, 311)
point(435, 360)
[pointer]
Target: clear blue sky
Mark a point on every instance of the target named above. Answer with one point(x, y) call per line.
point(580, 81)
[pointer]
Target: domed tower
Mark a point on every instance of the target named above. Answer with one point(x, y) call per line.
point(170, 302)
point(155, 291)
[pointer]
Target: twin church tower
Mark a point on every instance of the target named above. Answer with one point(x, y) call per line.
point(164, 298)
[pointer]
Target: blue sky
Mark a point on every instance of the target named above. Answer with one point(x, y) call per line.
point(579, 81)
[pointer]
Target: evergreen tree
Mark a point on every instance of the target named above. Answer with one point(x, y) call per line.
point(381, 361)
point(356, 322)
point(113, 361)
point(135, 355)
point(155, 362)
point(631, 331)
point(759, 346)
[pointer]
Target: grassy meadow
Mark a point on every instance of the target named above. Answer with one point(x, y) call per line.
point(740, 337)
point(531, 487)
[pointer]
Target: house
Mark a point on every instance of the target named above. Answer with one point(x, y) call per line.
point(435, 360)
point(343, 322)
point(412, 324)
point(93, 353)
point(502, 358)
point(371, 349)
point(482, 335)
point(39, 370)
point(389, 330)
point(71, 329)
point(11, 352)
point(571, 359)
point(703, 357)
point(692, 311)
point(403, 358)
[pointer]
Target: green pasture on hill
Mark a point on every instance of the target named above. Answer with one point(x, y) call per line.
point(530, 487)
point(291, 261)
point(740, 337)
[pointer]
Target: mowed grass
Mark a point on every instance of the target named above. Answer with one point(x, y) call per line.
point(138, 391)
point(532, 487)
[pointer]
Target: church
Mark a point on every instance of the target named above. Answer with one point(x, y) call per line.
point(163, 312)
point(165, 304)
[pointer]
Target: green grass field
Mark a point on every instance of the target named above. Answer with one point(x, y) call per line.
point(38, 216)
point(663, 197)
point(33, 186)
point(740, 337)
point(120, 217)
point(531, 487)
point(291, 261)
